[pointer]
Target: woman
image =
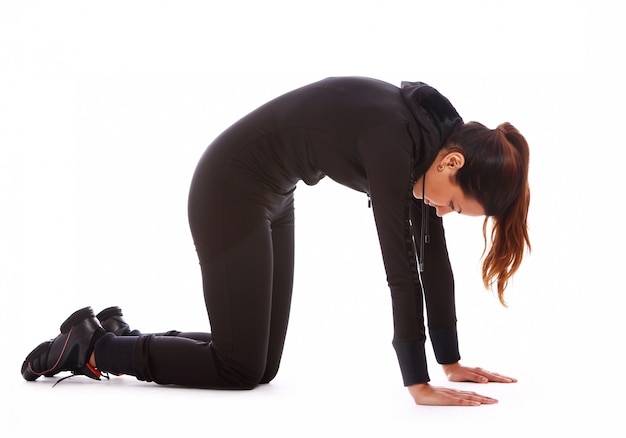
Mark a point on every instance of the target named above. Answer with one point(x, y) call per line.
point(398, 145)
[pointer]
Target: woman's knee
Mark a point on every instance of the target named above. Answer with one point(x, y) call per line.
point(244, 380)
point(270, 372)
point(241, 374)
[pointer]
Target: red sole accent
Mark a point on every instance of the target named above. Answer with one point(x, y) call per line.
point(96, 371)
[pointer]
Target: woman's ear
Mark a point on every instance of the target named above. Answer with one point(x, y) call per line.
point(453, 160)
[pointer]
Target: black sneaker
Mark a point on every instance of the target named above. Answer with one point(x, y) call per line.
point(69, 351)
point(112, 321)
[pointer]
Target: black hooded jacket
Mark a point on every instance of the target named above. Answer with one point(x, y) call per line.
point(378, 139)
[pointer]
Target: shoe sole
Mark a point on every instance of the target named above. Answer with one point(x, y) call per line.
point(75, 318)
point(108, 313)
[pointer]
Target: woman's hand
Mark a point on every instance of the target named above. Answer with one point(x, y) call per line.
point(459, 373)
point(425, 394)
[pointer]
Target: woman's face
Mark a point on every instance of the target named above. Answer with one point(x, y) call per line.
point(442, 192)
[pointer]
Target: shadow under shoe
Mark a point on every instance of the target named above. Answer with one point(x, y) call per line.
point(69, 351)
point(111, 319)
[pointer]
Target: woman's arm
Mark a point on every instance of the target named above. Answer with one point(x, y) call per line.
point(438, 285)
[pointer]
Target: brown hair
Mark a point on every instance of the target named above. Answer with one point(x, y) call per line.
point(495, 173)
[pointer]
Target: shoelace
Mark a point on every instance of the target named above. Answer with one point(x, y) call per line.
point(74, 374)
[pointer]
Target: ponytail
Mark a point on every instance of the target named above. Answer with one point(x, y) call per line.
point(496, 175)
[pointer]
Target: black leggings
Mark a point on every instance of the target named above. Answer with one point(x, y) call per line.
point(243, 229)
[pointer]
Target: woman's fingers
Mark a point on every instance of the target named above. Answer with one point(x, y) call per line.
point(493, 377)
point(468, 398)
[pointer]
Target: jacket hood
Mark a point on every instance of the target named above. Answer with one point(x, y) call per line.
point(436, 117)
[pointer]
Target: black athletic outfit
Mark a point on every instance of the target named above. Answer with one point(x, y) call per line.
point(363, 133)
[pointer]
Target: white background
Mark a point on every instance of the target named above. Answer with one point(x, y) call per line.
point(105, 108)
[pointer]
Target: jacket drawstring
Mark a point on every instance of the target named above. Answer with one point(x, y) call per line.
point(424, 236)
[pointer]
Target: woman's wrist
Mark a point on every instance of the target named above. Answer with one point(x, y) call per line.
point(448, 367)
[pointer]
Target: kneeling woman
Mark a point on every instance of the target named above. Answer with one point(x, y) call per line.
point(409, 150)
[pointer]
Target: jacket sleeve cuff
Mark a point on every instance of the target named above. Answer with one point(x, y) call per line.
point(412, 359)
point(445, 345)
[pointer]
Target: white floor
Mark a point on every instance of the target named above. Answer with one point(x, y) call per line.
point(339, 373)
point(304, 407)
point(104, 113)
